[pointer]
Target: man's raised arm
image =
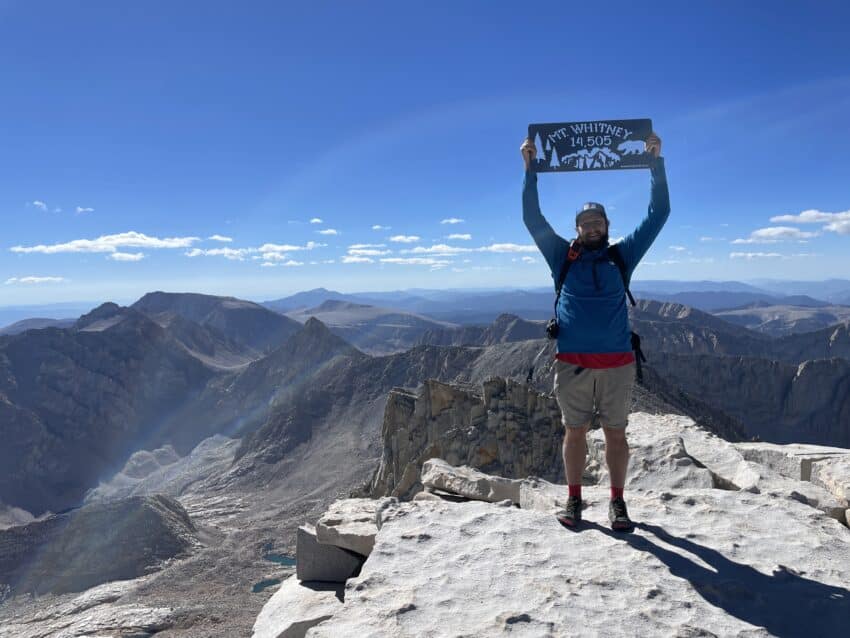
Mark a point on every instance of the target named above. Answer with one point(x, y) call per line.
point(635, 246)
point(553, 247)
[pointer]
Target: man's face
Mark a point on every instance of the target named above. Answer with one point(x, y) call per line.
point(592, 230)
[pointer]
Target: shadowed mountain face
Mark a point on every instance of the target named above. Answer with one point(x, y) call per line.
point(776, 401)
point(73, 401)
point(99, 543)
point(247, 324)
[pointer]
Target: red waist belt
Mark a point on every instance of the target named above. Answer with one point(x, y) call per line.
point(597, 360)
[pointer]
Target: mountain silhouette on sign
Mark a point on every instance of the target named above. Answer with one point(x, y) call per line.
point(593, 158)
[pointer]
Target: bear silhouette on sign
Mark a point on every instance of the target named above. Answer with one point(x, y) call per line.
point(632, 147)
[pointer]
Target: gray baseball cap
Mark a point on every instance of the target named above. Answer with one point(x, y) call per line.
point(591, 207)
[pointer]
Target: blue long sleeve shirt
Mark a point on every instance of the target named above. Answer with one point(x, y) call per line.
point(592, 312)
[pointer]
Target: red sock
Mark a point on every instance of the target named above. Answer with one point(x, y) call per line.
point(616, 492)
point(575, 490)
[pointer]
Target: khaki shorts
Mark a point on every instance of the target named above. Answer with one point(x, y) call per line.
point(583, 393)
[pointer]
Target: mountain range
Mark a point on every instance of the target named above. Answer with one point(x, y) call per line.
point(176, 368)
point(255, 421)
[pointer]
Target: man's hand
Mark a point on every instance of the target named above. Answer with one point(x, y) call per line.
point(529, 152)
point(653, 144)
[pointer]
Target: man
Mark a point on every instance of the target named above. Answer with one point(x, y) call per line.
point(594, 367)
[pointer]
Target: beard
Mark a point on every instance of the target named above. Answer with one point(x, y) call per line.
point(600, 241)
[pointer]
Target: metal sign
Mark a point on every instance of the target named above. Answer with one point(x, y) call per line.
point(591, 145)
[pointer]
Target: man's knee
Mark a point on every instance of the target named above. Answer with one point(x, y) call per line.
point(576, 433)
point(615, 436)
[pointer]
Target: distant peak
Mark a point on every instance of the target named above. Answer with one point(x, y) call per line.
point(103, 311)
point(314, 326)
point(339, 304)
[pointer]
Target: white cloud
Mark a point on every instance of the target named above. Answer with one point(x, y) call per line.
point(437, 249)
point(812, 216)
point(782, 232)
point(529, 260)
point(354, 259)
point(842, 227)
point(233, 254)
point(465, 236)
point(509, 248)
point(283, 248)
point(289, 262)
point(445, 249)
point(712, 239)
point(452, 220)
point(126, 256)
point(379, 227)
point(678, 249)
point(415, 261)
point(328, 231)
point(273, 256)
point(754, 255)
point(405, 239)
point(39, 204)
point(109, 244)
point(34, 280)
point(316, 220)
point(368, 252)
point(358, 246)
point(221, 238)
point(834, 222)
point(81, 209)
point(775, 234)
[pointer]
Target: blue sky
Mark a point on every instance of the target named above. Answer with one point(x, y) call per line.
point(192, 146)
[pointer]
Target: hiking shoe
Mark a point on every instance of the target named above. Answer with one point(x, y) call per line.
point(619, 516)
point(570, 516)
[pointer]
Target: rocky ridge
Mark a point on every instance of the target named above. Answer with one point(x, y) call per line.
point(732, 540)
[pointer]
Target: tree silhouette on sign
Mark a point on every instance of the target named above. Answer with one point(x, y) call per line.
point(541, 156)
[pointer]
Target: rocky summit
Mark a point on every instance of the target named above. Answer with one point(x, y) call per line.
point(743, 540)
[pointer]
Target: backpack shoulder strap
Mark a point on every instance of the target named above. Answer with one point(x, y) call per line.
point(572, 255)
point(617, 258)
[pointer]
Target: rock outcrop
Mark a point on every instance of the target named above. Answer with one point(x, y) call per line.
point(508, 429)
point(702, 562)
point(95, 544)
point(724, 545)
